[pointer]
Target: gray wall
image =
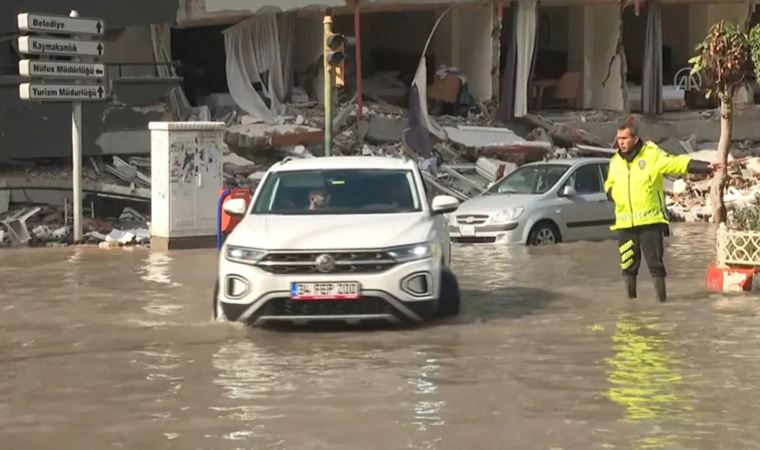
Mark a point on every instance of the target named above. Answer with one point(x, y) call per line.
point(119, 126)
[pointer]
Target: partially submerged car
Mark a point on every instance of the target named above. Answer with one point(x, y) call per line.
point(339, 239)
point(539, 203)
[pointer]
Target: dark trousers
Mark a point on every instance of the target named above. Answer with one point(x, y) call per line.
point(648, 239)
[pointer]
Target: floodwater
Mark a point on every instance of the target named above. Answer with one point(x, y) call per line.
point(115, 349)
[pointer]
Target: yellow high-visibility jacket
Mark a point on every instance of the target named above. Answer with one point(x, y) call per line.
point(637, 187)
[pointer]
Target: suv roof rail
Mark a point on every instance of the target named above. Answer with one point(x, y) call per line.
point(286, 160)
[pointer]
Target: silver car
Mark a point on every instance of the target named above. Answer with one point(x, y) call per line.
point(539, 203)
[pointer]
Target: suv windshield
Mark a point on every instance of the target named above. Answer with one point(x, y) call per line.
point(531, 179)
point(347, 191)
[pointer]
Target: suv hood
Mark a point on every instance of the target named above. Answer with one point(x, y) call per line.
point(489, 204)
point(330, 232)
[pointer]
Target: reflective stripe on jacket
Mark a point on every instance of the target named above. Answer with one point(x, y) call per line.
point(637, 187)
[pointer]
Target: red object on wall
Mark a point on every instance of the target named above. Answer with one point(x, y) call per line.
point(229, 222)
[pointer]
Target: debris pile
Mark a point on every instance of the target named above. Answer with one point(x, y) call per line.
point(468, 149)
point(688, 199)
point(36, 205)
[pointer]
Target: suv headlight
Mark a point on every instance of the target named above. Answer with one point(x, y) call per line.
point(412, 252)
point(507, 215)
point(244, 255)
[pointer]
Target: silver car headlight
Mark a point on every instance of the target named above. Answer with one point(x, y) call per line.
point(412, 252)
point(244, 255)
point(507, 215)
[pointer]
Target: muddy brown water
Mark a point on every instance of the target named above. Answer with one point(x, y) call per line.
point(115, 349)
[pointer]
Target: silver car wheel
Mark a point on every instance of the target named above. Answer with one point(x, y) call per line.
point(545, 236)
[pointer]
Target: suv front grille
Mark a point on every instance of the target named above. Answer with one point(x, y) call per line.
point(345, 262)
point(364, 306)
point(472, 219)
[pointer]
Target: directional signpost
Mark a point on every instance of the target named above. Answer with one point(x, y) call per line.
point(62, 36)
point(41, 69)
point(61, 92)
point(47, 23)
point(59, 47)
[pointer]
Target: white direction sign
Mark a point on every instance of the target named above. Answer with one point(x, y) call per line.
point(46, 23)
point(63, 47)
point(30, 68)
point(62, 92)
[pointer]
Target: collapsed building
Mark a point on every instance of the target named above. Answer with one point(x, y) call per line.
point(471, 88)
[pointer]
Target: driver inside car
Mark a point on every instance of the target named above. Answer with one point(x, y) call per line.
point(318, 199)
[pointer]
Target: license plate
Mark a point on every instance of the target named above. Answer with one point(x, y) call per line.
point(467, 230)
point(325, 291)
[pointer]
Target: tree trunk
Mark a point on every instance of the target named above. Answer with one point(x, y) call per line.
point(720, 177)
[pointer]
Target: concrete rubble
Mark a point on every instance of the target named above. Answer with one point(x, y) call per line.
point(689, 199)
point(472, 151)
point(38, 211)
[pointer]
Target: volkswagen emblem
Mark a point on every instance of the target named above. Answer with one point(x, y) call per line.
point(470, 219)
point(325, 263)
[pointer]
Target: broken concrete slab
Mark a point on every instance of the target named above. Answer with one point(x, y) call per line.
point(484, 137)
point(383, 130)
point(19, 182)
point(265, 137)
point(672, 146)
point(565, 134)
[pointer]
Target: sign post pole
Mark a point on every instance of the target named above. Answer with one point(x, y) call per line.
point(76, 158)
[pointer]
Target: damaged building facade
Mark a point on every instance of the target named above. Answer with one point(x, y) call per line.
point(524, 56)
point(474, 81)
point(529, 55)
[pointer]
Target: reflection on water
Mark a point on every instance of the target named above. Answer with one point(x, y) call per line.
point(156, 269)
point(645, 378)
point(427, 406)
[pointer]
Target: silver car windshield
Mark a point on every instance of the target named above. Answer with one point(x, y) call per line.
point(531, 179)
point(350, 191)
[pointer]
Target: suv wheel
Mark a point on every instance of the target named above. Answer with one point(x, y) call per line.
point(449, 300)
point(544, 234)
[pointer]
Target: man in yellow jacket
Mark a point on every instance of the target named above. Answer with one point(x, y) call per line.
point(635, 183)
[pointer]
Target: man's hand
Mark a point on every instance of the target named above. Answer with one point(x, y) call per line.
point(716, 165)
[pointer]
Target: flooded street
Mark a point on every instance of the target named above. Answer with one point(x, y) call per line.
point(116, 349)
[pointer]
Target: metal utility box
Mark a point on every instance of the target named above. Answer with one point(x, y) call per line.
point(186, 177)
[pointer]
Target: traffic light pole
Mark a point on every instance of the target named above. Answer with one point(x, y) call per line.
point(328, 88)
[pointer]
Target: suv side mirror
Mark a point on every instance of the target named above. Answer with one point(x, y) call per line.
point(568, 191)
point(443, 204)
point(235, 207)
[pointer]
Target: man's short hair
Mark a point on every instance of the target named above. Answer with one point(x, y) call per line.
point(630, 127)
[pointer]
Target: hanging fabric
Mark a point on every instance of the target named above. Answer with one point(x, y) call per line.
point(526, 24)
point(421, 125)
point(258, 54)
point(651, 88)
point(509, 67)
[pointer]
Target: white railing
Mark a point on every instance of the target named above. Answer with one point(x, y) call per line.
point(738, 247)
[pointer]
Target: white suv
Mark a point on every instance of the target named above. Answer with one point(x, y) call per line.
point(339, 238)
